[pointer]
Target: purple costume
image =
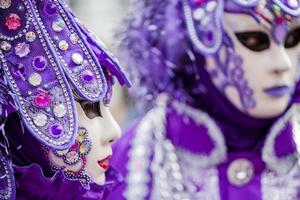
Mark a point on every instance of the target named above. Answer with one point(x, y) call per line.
point(48, 59)
point(193, 143)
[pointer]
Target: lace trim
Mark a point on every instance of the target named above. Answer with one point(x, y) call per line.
point(284, 164)
point(281, 187)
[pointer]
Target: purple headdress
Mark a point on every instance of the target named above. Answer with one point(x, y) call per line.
point(46, 57)
point(165, 42)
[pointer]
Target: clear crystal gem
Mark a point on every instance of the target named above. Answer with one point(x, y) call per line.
point(35, 79)
point(5, 46)
point(30, 36)
point(77, 58)
point(58, 25)
point(198, 14)
point(63, 45)
point(59, 110)
point(40, 120)
point(4, 4)
point(74, 38)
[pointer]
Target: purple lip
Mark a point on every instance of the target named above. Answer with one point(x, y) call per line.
point(278, 91)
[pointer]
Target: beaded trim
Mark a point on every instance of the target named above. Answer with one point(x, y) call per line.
point(9, 192)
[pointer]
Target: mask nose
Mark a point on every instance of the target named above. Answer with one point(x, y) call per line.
point(280, 60)
point(112, 128)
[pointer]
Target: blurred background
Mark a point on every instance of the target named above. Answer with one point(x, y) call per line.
point(103, 17)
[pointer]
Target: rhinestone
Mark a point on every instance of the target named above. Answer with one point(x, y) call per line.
point(4, 4)
point(12, 21)
point(22, 49)
point(56, 130)
point(42, 100)
point(198, 14)
point(30, 36)
point(77, 58)
point(58, 25)
point(5, 46)
point(40, 120)
point(63, 45)
point(39, 63)
point(35, 79)
point(60, 110)
point(240, 172)
point(74, 38)
point(211, 6)
point(85, 147)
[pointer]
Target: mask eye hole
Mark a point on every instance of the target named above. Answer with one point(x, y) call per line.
point(255, 41)
point(91, 110)
point(292, 39)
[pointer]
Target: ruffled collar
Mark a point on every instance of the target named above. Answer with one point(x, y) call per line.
point(197, 132)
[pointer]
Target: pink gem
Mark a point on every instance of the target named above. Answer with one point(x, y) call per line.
point(200, 1)
point(42, 100)
point(75, 146)
point(13, 21)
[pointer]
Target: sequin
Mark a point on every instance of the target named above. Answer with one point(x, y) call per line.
point(42, 100)
point(39, 63)
point(4, 4)
point(35, 79)
point(40, 120)
point(59, 110)
point(58, 25)
point(30, 36)
point(5, 46)
point(12, 21)
point(77, 58)
point(63, 45)
point(22, 49)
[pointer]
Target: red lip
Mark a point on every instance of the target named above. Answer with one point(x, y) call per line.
point(104, 163)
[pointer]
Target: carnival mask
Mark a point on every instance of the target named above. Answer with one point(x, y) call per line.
point(256, 64)
point(87, 159)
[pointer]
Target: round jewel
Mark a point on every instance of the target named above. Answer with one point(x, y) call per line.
point(77, 58)
point(58, 25)
point(42, 100)
point(74, 38)
point(198, 14)
point(35, 79)
point(4, 4)
point(240, 172)
point(59, 110)
point(85, 147)
point(211, 6)
point(5, 46)
point(56, 130)
point(63, 45)
point(40, 120)
point(30, 36)
point(39, 63)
